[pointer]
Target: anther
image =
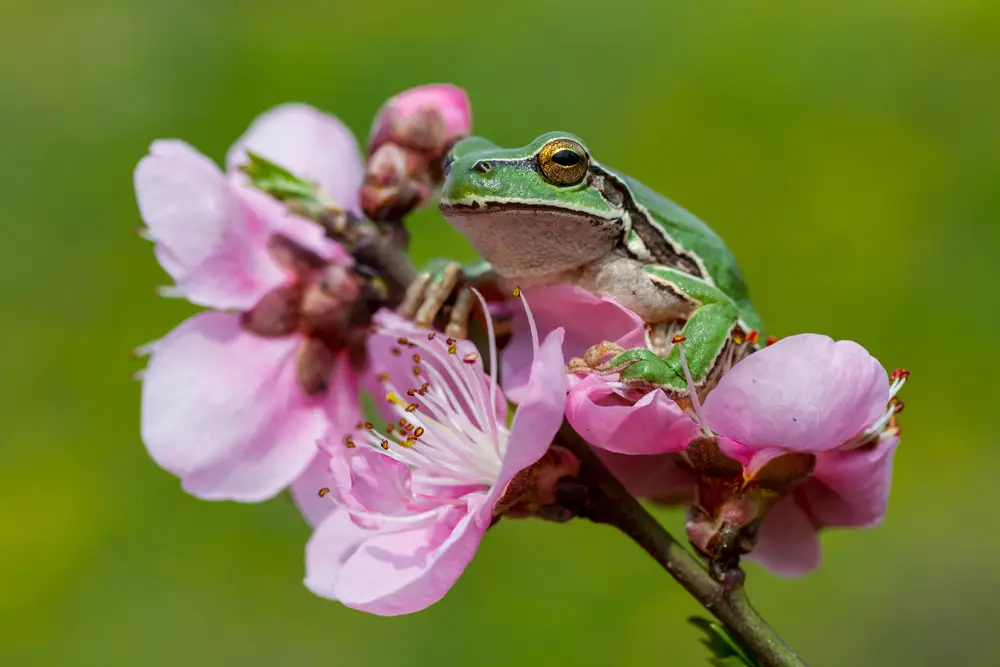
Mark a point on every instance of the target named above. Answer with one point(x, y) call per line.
point(678, 339)
point(431, 335)
point(369, 425)
point(411, 392)
point(416, 358)
point(452, 349)
point(323, 491)
point(385, 444)
point(403, 423)
point(416, 370)
point(517, 291)
point(396, 351)
point(373, 329)
point(449, 341)
point(419, 432)
point(402, 340)
point(899, 374)
point(350, 443)
point(389, 428)
point(738, 339)
point(408, 427)
point(470, 358)
point(896, 404)
point(753, 337)
point(358, 425)
point(772, 339)
point(412, 407)
point(384, 377)
point(409, 442)
point(423, 388)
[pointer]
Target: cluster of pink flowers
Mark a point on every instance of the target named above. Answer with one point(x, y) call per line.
point(262, 392)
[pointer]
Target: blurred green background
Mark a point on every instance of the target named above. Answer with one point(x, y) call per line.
point(848, 152)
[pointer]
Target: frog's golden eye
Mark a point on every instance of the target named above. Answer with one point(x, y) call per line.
point(563, 162)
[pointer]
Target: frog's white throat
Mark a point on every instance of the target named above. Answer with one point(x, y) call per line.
point(534, 240)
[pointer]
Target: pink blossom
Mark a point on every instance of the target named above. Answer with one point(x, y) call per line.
point(234, 399)
point(410, 502)
point(606, 413)
point(809, 394)
point(427, 119)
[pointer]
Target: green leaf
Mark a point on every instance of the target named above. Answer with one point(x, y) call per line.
point(726, 651)
point(301, 196)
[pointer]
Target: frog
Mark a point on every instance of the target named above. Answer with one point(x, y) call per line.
point(550, 213)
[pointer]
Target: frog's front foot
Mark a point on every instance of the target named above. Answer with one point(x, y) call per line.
point(438, 283)
point(642, 368)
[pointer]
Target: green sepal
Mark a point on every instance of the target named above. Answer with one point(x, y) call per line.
point(301, 196)
point(726, 651)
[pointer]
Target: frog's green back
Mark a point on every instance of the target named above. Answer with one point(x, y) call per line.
point(694, 235)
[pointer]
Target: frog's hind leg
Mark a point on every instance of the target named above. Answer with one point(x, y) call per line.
point(707, 337)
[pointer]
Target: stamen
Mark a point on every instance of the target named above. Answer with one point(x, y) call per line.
point(492, 338)
point(170, 292)
point(695, 401)
point(383, 377)
point(396, 351)
point(385, 444)
point(452, 349)
point(753, 337)
point(772, 339)
point(322, 492)
point(470, 358)
point(145, 349)
point(416, 358)
point(531, 319)
point(419, 432)
point(403, 340)
point(431, 335)
point(411, 407)
point(898, 377)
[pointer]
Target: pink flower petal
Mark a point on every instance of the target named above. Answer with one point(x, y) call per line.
point(540, 413)
point(210, 240)
point(586, 318)
point(221, 409)
point(650, 476)
point(787, 543)
point(851, 488)
point(399, 568)
point(311, 144)
point(652, 425)
point(805, 393)
point(370, 481)
point(305, 490)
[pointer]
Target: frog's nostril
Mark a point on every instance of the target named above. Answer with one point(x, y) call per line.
point(483, 166)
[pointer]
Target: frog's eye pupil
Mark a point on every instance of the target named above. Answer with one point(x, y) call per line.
point(566, 157)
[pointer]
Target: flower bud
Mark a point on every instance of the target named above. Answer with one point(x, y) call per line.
point(427, 119)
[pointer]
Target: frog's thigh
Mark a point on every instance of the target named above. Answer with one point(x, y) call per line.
point(625, 281)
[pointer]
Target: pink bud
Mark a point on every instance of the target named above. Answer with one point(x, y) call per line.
point(427, 119)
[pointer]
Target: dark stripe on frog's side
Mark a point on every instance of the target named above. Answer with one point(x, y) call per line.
point(699, 242)
point(652, 234)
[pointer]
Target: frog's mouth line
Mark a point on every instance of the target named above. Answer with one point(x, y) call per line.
point(486, 208)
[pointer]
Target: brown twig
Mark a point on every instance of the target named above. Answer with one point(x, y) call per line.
point(607, 501)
